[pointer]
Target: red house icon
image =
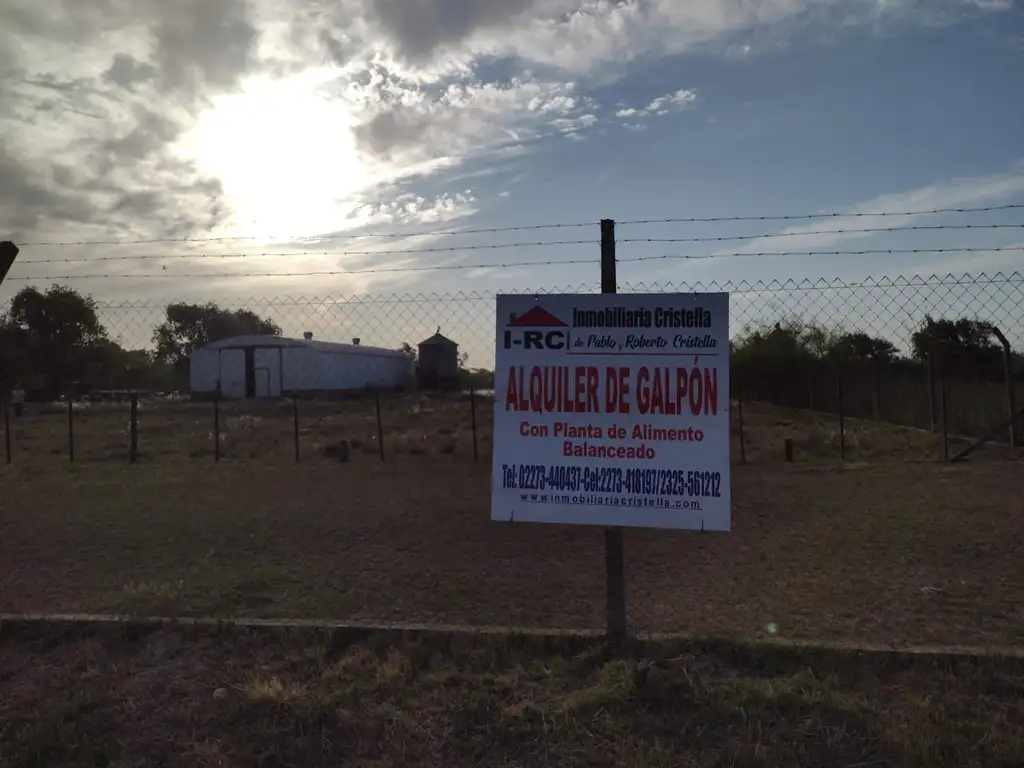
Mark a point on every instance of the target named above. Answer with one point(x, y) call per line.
point(538, 317)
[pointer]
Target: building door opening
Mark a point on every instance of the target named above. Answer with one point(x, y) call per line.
point(250, 372)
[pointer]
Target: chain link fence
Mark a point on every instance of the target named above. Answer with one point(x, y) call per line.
point(298, 378)
point(237, 504)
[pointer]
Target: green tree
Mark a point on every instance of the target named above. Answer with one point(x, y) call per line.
point(14, 364)
point(769, 352)
point(56, 334)
point(963, 347)
point(115, 367)
point(859, 347)
point(188, 327)
point(474, 378)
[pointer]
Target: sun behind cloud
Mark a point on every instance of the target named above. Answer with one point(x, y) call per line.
point(284, 154)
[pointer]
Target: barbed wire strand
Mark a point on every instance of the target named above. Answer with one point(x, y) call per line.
point(809, 233)
point(503, 246)
point(733, 286)
point(826, 215)
point(392, 252)
point(511, 265)
point(327, 236)
point(526, 227)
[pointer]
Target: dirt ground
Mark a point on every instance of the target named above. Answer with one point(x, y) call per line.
point(136, 697)
point(410, 426)
point(912, 552)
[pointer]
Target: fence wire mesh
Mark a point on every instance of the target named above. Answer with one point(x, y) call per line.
point(918, 351)
point(401, 533)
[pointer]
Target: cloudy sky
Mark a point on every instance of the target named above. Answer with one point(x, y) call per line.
point(241, 137)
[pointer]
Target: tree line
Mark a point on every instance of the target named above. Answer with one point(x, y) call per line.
point(964, 348)
point(808, 366)
point(53, 342)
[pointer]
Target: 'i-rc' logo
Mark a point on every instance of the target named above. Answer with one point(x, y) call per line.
point(537, 329)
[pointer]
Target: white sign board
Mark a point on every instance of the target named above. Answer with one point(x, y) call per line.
point(612, 410)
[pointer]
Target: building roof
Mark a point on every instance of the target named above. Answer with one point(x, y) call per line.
point(437, 340)
point(275, 342)
point(254, 340)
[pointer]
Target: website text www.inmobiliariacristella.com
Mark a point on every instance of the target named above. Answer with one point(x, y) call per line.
point(598, 500)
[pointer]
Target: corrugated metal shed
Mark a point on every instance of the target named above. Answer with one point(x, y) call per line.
point(272, 366)
point(269, 342)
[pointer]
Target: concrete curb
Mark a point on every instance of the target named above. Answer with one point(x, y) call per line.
point(947, 651)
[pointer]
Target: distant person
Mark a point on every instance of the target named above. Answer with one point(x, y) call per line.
point(18, 400)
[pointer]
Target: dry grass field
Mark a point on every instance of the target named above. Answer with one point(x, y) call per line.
point(891, 546)
point(137, 697)
point(410, 426)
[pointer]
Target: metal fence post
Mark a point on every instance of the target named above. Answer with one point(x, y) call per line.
point(133, 429)
point(216, 423)
point(930, 370)
point(743, 439)
point(876, 387)
point(472, 421)
point(295, 426)
point(1011, 394)
point(380, 425)
point(7, 429)
point(943, 406)
point(71, 428)
point(842, 416)
point(614, 550)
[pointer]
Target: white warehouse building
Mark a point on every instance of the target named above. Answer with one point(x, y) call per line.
point(272, 366)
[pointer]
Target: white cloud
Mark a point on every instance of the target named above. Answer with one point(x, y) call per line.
point(410, 124)
point(992, 5)
point(967, 192)
point(144, 118)
point(1006, 259)
point(662, 105)
point(410, 208)
point(670, 102)
point(606, 34)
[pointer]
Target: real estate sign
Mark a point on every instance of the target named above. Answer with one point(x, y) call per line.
point(612, 410)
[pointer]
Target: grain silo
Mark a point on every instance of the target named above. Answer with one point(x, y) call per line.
point(438, 364)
